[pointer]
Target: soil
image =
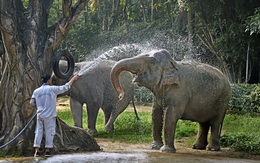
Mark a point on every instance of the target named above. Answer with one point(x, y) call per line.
point(116, 151)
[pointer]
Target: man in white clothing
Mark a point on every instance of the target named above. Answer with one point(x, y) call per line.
point(45, 98)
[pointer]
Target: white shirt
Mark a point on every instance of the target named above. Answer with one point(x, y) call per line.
point(45, 98)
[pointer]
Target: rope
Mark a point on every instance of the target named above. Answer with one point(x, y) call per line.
point(19, 132)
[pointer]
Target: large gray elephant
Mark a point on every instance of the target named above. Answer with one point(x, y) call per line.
point(94, 88)
point(182, 90)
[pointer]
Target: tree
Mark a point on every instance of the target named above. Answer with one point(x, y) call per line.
point(253, 22)
point(30, 45)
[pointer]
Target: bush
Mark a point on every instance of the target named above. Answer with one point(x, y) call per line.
point(242, 142)
point(143, 95)
point(245, 98)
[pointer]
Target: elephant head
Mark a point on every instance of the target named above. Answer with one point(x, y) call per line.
point(154, 69)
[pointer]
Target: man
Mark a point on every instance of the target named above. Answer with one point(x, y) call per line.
point(45, 98)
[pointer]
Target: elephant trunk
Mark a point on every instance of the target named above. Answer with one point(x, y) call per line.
point(129, 64)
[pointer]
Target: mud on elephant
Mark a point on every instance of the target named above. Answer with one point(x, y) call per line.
point(182, 90)
point(94, 88)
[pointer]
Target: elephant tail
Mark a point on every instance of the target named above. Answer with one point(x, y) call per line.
point(133, 103)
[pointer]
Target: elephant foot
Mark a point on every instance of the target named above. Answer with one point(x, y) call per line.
point(109, 129)
point(213, 148)
point(156, 145)
point(198, 146)
point(92, 131)
point(167, 149)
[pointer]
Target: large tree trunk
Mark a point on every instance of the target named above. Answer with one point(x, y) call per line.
point(29, 49)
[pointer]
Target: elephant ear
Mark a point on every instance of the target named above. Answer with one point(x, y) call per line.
point(170, 74)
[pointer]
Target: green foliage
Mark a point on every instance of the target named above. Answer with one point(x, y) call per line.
point(186, 129)
point(143, 95)
point(218, 27)
point(253, 22)
point(242, 142)
point(245, 98)
point(221, 28)
point(2, 154)
point(241, 133)
point(128, 129)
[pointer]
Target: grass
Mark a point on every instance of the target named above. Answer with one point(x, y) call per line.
point(128, 128)
point(240, 132)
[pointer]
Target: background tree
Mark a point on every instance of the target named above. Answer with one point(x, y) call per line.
point(29, 46)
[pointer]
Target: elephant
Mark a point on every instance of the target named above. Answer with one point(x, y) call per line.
point(182, 90)
point(94, 88)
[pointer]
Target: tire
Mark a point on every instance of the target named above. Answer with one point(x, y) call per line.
point(65, 54)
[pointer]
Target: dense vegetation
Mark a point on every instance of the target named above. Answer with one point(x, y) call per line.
point(219, 32)
point(245, 98)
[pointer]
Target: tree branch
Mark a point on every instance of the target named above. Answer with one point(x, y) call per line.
point(66, 8)
point(60, 29)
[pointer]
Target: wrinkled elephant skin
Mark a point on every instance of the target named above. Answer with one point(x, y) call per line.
point(182, 90)
point(94, 88)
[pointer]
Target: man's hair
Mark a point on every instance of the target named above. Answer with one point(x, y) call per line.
point(45, 78)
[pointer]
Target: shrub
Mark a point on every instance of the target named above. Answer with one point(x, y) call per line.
point(245, 98)
point(143, 95)
point(241, 142)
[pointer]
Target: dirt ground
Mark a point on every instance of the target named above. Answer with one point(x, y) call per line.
point(114, 151)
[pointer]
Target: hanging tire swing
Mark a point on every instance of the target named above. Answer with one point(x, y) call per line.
point(67, 56)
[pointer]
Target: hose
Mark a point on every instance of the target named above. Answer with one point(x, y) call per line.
point(19, 132)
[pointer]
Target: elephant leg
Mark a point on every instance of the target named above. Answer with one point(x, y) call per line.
point(110, 117)
point(107, 114)
point(76, 109)
point(170, 123)
point(92, 118)
point(157, 122)
point(216, 126)
point(115, 111)
point(216, 123)
point(214, 144)
point(201, 141)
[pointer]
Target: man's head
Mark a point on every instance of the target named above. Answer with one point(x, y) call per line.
point(45, 78)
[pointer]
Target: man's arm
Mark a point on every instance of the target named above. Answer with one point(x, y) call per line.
point(75, 77)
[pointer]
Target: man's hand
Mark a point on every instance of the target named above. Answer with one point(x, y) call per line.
point(75, 77)
point(33, 102)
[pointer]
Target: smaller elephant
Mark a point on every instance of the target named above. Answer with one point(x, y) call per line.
point(182, 90)
point(94, 88)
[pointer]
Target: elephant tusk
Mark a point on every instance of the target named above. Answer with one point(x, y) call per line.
point(121, 95)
